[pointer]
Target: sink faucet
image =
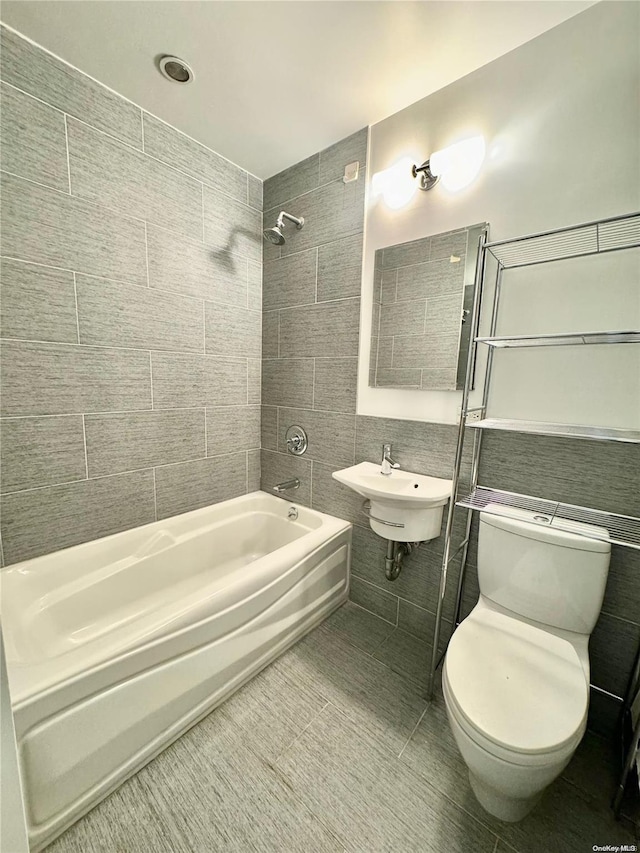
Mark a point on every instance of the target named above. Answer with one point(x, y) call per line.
point(387, 461)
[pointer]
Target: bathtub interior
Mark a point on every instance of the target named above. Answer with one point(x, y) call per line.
point(152, 576)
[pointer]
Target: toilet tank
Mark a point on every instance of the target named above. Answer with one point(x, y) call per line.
point(541, 573)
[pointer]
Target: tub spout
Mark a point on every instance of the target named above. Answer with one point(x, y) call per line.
point(288, 484)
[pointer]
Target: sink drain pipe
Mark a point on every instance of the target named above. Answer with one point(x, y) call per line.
point(396, 552)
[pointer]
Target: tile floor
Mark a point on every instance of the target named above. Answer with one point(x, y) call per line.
point(333, 748)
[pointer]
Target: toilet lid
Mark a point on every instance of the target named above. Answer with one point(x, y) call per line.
point(520, 686)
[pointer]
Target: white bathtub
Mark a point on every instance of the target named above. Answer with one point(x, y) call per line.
point(116, 647)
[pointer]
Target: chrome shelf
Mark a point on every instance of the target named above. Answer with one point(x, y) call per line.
point(591, 238)
point(563, 339)
point(618, 529)
point(629, 436)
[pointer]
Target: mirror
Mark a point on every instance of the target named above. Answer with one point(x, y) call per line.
point(423, 294)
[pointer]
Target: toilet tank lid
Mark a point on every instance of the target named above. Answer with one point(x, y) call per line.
point(524, 523)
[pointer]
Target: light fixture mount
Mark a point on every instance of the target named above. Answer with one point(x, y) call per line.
point(175, 69)
point(427, 179)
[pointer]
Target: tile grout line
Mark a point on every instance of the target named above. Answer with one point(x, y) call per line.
point(146, 252)
point(66, 141)
point(155, 495)
point(299, 735)
point(75, 294)
point(151, 379)
point(413, 731)
point(122, 473)
point(86, 458)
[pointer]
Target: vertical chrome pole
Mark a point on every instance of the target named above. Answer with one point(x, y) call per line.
point(475, 318)
point(477, 443)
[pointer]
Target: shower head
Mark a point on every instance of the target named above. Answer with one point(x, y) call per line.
point(275, 235)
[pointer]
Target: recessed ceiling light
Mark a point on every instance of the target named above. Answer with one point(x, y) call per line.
point(175, 69)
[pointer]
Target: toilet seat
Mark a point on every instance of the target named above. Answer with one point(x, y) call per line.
point(518, 690)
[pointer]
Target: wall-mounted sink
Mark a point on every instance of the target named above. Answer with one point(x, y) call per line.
point(405, 507)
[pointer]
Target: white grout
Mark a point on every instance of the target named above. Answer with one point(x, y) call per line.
point(413, 731)
point(75, 296)
point(84, 439)
point(66, 142)
point(155, 496)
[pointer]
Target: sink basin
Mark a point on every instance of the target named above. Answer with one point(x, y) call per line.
point(405, 507)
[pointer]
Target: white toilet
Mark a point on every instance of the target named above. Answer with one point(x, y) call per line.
point(516, 673)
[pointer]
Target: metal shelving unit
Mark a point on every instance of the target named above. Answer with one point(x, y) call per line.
point(591, 238)
point(630, 436)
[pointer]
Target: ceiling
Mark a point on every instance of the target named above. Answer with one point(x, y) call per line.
point(277, 81)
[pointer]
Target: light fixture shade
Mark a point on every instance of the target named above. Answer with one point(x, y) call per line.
point(396, 185)
point(459, 164)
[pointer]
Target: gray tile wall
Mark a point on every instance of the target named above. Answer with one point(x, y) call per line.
point(310, 335)
point(131, 303)
point(310, 343)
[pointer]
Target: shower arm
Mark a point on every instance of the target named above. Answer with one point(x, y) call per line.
point(299, 222)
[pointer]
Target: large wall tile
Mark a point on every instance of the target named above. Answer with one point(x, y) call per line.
point(612, 649)
point(331, 212)
point(331, 329)
point(405, 254)
point(33, 142)
point(180, 151)
point(290, 280)
point(287, 382)
point(232, 427)
point(254, 381)
point(52, 228)
point(118, 315)
point(597, 474)
point(124, 442)
point(291, 182)
point(183, 381)
point(420, 447)
point(332, 497)
point(107, 172)
point(340, 268)
point(331, 435)
point(43, 520)
point(41, 451)
point(335, 384)
point(270, 334)
point(232, 331)
point(336, 157)
point(27, 67)
point(191, 485)
point(254, 286)
point(254, 192)
point(38, 303)
point(52, 379)
point(374, 600)
point(269, 428)
point(622, 594)
point(253, 471)
point(232, 227)
point(192, 268)
point(279, 467)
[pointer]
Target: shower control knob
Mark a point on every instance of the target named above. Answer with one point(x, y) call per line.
point(296, 440)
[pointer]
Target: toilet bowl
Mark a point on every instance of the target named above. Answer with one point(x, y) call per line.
point(515, 677)
point(516, 699)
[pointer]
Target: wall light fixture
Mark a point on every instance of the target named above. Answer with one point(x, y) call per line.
point(456, 165)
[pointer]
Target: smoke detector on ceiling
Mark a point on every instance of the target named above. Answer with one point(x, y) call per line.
point(175, 69)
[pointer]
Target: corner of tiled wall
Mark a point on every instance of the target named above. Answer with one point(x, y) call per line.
point(131, 313)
